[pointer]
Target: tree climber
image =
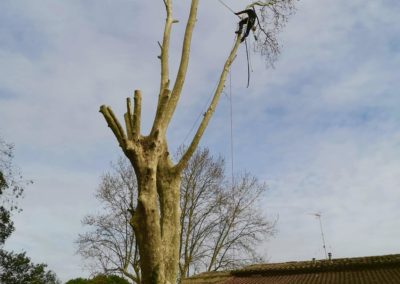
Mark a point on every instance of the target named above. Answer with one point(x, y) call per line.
point(249, 21)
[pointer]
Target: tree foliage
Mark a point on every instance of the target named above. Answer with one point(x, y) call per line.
point(79, 280)
point(12, 181)
point(221, 225)
point(6, 225)
point(15, 268)
point(11, 188)
point(99, 279)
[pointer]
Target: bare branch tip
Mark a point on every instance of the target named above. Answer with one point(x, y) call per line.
point(103, 108)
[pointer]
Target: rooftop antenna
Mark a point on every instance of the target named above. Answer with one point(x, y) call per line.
point(318, 216)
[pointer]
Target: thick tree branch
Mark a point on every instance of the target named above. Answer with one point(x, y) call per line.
point(137, 112)
point(162, 104)
point(114, 124)
point(164, 57)
point(180, 78)
point(128, 116)
point(208, 114)
point(165, 46)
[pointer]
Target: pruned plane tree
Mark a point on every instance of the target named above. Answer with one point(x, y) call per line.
point(156, 218)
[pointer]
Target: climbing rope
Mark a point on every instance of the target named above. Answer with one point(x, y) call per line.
point(229, 8)
point(231, 122)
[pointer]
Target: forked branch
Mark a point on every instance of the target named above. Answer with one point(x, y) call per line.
point(180, 78)
point(132, 121)
point(164, 57)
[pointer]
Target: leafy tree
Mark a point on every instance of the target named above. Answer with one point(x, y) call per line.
point(11, 181)
point(77, 281)
point(18, 269)
point(108, 279)
point(156, 217)
point(11, 188)
point(99, 279)
point(15, 268)
point(220, 223)
point(6, 225)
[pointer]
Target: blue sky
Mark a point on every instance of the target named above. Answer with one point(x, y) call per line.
point(322, 128)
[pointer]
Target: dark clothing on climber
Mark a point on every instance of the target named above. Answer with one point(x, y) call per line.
point(249, 21)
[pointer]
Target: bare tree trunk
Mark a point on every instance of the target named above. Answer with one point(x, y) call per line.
point(169, 188)
point(146, 224)
point(156, 219)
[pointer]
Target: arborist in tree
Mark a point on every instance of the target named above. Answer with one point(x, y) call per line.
point(249, 21)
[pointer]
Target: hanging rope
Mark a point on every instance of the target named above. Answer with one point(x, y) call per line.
point(229, 8)
point(203, 109)
point(232, 152)
point(231, 120)
point(200, 114)
point(248, 64)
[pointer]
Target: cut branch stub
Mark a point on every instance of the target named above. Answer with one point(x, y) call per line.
point(137, 112)
point(113, 123)
point(132, 121)
point(129, 119)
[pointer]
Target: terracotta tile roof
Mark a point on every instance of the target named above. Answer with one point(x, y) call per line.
point(364, 270)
